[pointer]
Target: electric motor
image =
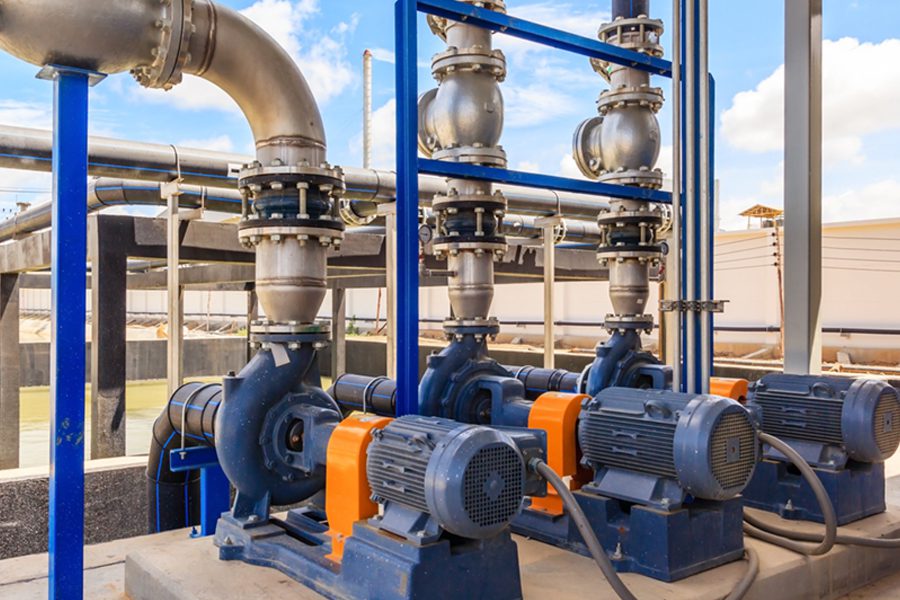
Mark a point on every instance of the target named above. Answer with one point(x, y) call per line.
point(470, 479)
point(706, 445)
point(856, 416)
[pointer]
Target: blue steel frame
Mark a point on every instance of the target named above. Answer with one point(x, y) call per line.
point(215, 489)
point(409, 165)
point(68, 305)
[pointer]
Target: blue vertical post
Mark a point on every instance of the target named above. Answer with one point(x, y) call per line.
point(67, 353)
point(681, 203)
point(407, 209)
point(215, 498)
point(712, 219)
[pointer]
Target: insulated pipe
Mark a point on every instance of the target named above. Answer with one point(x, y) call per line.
point(376, 395)
point(187, 420)
point(108, 192)
point(31, 150)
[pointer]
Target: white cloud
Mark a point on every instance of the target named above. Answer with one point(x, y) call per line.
point(23, 114)
point(878, 200)
point(19, 186)
point(321, 56)
point(536, 104)
point(222, 143)
point(528, 166)
point(384, 137)
point(856, 93)
point(559, 15)
point(568, 168)
point(665, 159)
point(383, 55)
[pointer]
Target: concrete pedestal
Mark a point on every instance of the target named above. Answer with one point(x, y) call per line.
point(190, 570)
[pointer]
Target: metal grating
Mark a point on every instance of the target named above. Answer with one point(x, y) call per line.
point(732, 450)
point(801, 417)
point(493, 485)
point(630, 443)
point(398, 475)
point(887, 423)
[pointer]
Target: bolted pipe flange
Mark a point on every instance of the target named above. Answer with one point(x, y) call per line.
point(463, 327)
point(171, 55)
point(640, 34)
point(444, 245)
point(256, 177)
point(474, 155)
point(490, 202)
point(439, 25)
point(643, 96)
point(614, 323)
point(645, 177)
point(476, 59)
point(266, 333)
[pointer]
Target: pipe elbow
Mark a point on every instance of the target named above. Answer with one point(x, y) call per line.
point(266, 84)
point(159, 41)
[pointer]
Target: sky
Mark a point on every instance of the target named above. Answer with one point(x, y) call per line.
point(547, 94)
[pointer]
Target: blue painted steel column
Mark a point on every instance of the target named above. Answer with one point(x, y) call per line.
point(713, 208)
point(67, 353)
point(407, 209)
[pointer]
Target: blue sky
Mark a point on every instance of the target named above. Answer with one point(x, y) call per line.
point(547, 94)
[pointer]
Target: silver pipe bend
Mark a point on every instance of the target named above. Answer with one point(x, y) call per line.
point(158, 40)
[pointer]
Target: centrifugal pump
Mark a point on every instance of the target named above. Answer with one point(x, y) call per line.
point(659, 477)
point(427, 500)
point(844, 428)
point(621, 146)
point(462, 121)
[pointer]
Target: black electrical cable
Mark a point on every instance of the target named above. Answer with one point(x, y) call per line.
point(599, 554)
point(804, 536)
point(584, 527)
point(754, 527)
point(743, 586)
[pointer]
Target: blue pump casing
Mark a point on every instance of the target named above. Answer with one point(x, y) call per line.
point(668, 471)
point(844, 428)
point(464, 384)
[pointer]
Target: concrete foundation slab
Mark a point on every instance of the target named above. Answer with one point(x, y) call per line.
point(190, 570)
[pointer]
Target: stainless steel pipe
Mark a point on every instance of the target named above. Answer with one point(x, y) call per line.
point(32, 149)
point(160, 40)
point(107, 192)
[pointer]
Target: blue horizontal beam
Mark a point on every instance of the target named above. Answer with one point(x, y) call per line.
point(546, 36)
point(190, 459)
point(533, 180)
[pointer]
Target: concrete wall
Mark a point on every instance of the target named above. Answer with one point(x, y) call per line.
point(146, 359)
point(115, 498)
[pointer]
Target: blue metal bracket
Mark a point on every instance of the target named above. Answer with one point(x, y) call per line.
point(547, 182)
point(215, 489)
point(67, 340)
point(193, 458)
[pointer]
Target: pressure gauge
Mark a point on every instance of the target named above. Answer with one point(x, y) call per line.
point(425, 234)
